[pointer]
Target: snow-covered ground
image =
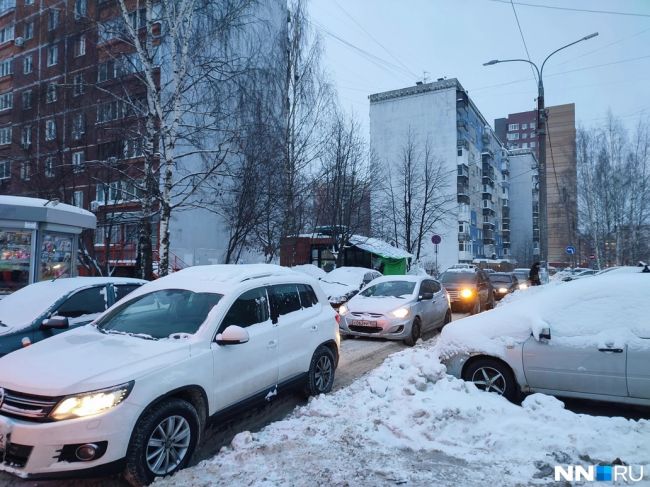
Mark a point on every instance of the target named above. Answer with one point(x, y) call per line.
point(408, 422)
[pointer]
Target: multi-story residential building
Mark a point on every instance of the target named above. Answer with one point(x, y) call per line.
point(71, 105)
point(518, 131)
point(524, 212)
point(442, 114)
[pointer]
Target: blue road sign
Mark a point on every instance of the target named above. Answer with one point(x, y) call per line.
point(571, 250)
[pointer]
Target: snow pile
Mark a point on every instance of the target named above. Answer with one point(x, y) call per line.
point(310, 269)
point(581, 308)
point(342, 283)
point(378, 247)
point(408, 422)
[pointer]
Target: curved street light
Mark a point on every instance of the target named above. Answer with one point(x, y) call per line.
point(541, 137)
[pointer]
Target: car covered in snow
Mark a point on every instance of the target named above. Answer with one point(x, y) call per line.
point(397, 308)
point(42, 309)
point(134, 390)
point(503, 283)
point(588, 338)
point(342, 283)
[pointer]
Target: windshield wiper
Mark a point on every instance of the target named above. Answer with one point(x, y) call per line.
point(144, 336)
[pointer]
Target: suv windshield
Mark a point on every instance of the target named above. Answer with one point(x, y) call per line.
point(458, 277)
point(500, 278)
point(394, 289)
point(160, 314)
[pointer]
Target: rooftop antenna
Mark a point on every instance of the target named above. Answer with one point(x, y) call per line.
point(425, 76)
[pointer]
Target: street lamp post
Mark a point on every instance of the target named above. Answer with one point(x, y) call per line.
point(541, 140)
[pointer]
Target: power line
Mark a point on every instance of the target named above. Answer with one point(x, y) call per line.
point(374, 39)
point(523, 39)
point(618, 41)
point(570, 9)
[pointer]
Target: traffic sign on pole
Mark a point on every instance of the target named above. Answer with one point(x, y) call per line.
point(436, 239)
point(570, 250)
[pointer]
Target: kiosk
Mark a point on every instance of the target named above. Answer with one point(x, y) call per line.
point(38, 240)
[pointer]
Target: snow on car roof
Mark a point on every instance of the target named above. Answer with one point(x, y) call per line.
point(378, 247)
point(22, 306)
point(585, 307)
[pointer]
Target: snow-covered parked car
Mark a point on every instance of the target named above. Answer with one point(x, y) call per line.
point(342, 283)
point(588, 338)
point(42, 309)
point(397, 308)
point(134, 390)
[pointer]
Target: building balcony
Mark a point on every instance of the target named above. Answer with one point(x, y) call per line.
point(488, 207)
point(488, 223)
point(461, 124)
point(488, 240)
point(464, 213)
point(463, 198)
point(464, 237)
point(465, 256)
point(487, 154)
point(488, 180)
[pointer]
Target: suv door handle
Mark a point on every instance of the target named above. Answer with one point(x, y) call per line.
point(614, 350)
point(272, 344)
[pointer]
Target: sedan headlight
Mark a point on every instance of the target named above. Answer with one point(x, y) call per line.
point(503, 290)
point(523, 285)
point(343, 310)
point(466, 293)
point(90, 403)
point(400, 313)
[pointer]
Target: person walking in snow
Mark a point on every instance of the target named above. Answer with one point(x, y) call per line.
point(533, 275)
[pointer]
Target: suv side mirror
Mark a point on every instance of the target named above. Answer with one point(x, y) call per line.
point(233, 335)
point(55, 323)
point(425, 296)
point(545, 334)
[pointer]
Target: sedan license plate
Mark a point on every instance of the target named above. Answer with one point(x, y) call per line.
point(367, 323)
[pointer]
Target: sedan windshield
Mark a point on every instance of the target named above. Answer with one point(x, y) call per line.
point(458, 278)
point(389, 288)
point(160, 314)
point(496, 278)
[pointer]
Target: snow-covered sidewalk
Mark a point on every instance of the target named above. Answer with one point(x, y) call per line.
point(408, 422)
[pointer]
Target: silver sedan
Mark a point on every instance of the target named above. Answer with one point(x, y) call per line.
point(397, 308)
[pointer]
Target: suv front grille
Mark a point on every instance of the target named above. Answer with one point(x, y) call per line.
point(361, 314)
point(27, 406)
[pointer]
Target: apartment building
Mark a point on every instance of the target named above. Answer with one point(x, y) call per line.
point(518, 131)
point(443, 114)
point(524, 213)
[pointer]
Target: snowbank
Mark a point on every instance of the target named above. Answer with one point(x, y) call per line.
point(310, 269)
point(408, 422)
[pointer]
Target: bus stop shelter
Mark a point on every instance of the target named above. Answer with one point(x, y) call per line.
point(39, 240)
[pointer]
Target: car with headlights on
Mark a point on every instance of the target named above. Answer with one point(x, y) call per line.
point(503, 283)
point(133, 391)
point(470, 291)
point(587, 339)
point(45, 308)
point(397, 308)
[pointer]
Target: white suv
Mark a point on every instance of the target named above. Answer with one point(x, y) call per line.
point(133, 391)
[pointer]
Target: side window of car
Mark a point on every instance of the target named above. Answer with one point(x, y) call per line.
point(307, 296)
point(122, 290)
point(85, 302)
point(435, 286)
point(284, 299)
point(425, 287)
point(249, 309)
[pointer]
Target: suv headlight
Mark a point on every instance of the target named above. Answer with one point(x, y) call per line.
point(466, 293)
point(343, 310)
point(90, 403)
point(400, 313)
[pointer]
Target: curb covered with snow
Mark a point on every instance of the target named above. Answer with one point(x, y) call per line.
point(409, 422)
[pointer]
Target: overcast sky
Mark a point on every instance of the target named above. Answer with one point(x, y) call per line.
point(389, 44)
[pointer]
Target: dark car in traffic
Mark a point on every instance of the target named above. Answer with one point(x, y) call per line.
point(503, 283)
point(470, 291)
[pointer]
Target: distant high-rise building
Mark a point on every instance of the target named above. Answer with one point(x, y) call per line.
point(524, 210)
point(519, 131)
point(442, 115)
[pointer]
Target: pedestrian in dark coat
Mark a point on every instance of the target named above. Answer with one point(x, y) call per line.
point(533, 275)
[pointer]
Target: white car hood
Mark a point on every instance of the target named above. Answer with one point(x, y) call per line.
point(377, 305)
point(84, 360)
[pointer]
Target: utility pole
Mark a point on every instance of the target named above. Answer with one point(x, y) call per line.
point(541, 134)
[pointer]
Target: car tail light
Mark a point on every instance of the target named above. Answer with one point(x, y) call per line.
point(337, 317)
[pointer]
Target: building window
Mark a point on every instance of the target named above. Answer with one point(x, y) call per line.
point(27, 99)
point(78, 126)
point(5, 135)
point(28, 32)
point(6, 68)
point(28, 64)
point(531, 125)
point(80, 46)
point(50, 96)
point(532, 145)
point(29, 2)
point(112, 110)
point(513, 126)
point(78, 199)
point(134, 148)
point(5, 169)
point(26, 137)
point(524, 145)
point(53, 19)
point(25, 170)
point(524, 135)
point(524, 126)
point(514, 136)
point(7, 34)
point(6, 101)
point(78, 84)
point(52, 55)
point(49, 167)
point(78, 159)
point(50, 129)
point(80, 8)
